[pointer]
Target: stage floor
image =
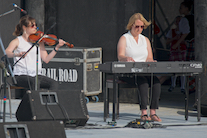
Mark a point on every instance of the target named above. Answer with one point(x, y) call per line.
point(171, 112)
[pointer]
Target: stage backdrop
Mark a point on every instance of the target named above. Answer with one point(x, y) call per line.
point(93, 23)
point(8, 22)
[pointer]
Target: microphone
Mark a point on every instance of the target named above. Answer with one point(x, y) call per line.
point(19, 8)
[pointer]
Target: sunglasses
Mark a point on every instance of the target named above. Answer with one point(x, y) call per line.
point(33, 25)
point(137, 26)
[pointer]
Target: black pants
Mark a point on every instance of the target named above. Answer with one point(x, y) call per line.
point(144, 82)
point(43, 82)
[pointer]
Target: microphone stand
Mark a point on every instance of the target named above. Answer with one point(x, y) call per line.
point(7, 12)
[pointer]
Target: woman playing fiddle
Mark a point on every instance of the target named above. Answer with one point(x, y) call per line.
point(135, 47)
point(25, 69)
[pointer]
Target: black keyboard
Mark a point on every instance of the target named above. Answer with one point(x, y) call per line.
point(152, 67)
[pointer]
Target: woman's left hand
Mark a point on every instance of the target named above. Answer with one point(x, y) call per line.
point(60, 43)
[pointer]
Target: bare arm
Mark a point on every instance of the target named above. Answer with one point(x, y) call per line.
point(149, 49)
point(47, 57)
point(121, 49)
point(10, 49)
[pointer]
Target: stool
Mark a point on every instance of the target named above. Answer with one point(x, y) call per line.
point(109, 85)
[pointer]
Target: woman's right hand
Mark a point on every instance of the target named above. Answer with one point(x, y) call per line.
point(126, 59)
point(20, 54)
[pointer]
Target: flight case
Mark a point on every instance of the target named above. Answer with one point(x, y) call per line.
point(76, 69)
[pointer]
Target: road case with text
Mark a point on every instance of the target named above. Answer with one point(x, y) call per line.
point(76, 68)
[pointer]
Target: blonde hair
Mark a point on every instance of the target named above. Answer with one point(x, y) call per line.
point(137, 16)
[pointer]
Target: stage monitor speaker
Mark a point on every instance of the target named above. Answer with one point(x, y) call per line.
point(67, 106)
point(32, 129)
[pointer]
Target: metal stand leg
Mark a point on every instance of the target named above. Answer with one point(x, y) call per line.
point(199, 98)
point(9, 91)
point(107, 103)
point(117, 99)
point(114, 98)
point(186, 98)
point(105, 94)
point(4, 106)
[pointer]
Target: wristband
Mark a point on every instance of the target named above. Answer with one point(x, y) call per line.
point(55, 50)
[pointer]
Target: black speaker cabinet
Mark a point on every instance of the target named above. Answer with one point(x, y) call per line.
point(32, 129)
point(67, 106)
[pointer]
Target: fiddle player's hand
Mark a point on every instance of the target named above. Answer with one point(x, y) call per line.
point(20, 54)
point(60, 43)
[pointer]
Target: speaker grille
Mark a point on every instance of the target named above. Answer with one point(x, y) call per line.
point(49, 98)
point(67, 106)
point(16, 131)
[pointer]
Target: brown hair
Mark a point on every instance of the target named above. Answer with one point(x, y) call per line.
point(135, 17)
point(25, 20)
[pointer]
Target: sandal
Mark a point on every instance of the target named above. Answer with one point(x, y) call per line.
point(145, 118)
point(155, 118)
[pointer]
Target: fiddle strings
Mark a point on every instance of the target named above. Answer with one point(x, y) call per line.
point(55, 39)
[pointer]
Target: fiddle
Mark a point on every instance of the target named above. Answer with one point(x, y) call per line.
point(48, 39)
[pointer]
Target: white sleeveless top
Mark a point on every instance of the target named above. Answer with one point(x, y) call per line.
point(27, 65)
point(138, 51)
